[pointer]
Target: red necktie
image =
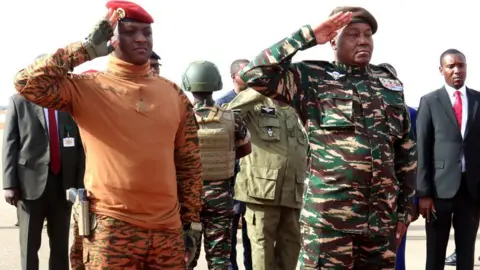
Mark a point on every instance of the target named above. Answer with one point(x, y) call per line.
point(54, 142)
point(457, 108)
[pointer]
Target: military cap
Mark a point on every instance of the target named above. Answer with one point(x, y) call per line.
point(130, 11)
point(90, 71)
point(360, 15)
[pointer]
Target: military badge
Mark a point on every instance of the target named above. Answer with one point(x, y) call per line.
point(270, 132)
point(335, 75)
point(267, 110)
point(121, 13)
point(394, 85)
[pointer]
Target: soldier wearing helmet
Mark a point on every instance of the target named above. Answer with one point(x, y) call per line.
point(223, 137)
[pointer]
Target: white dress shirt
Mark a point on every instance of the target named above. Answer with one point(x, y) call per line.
point(463, 94)
point(45, 112)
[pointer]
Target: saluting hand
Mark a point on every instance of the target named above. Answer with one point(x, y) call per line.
point(327, 30)
point(112, 17)
point(96, 44)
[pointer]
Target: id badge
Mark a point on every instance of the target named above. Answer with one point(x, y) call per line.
point(68, 142)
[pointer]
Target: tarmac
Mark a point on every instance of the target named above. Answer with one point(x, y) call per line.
point(10, 249)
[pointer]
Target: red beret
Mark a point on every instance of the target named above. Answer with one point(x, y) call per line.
point(132, 10)
point(90, 71)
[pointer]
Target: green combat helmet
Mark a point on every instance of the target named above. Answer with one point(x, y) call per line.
point(202, 76)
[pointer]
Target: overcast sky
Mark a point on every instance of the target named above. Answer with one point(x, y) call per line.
point(411, 34)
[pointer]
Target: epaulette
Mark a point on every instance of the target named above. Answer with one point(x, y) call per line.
point(390, 71)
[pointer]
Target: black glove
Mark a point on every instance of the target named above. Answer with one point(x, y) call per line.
point(191, 236)
point(96, 44)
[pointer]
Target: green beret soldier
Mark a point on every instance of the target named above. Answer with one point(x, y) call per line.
point(362, 158)
point(223, 137)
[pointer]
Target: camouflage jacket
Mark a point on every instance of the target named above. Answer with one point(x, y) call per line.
point(362, 157)
point(106, 103)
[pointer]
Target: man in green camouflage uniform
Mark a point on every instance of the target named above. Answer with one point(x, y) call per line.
point(223, 137)
point(362, 158)
point(271, 180)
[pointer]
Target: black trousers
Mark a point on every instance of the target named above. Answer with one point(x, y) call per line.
point(463, 212)
point(52, 206)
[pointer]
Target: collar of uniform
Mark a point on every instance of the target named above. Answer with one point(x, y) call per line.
point(124, 69)
point(349, 69)
point(451, 90)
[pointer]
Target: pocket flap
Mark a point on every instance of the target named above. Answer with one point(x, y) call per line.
point(300, 177)
point(439, 164)
point(265, 173)
point(268, 122)
point(338, 95)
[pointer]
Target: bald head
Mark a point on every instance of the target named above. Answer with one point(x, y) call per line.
point(235, 68)
point(237, 65)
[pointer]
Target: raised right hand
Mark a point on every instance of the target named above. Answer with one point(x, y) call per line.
point(328, 29)
point(425, 207)
point(96, 43)
point(12, 196)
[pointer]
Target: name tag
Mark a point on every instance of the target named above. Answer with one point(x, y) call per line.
point(68, 142)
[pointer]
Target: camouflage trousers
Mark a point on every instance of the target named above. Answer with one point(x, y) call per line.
point(329, 249)
point(114, 244)
point(76, 251)
point(216, 216)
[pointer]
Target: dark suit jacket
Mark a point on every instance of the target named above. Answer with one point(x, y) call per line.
point(26, 154)
point(440, 146)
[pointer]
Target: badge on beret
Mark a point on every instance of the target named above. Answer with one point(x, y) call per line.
point(121, 13)
point(335, 75)
point(394, 85)
point(267, 110)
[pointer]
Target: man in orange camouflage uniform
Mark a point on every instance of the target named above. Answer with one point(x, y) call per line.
point(143, 163)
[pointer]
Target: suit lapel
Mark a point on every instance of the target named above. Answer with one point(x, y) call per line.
point(444, 100)
point(472, 110)
point(40, 115)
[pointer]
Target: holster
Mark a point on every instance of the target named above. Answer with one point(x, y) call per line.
point(83, 218)
point(191, 239)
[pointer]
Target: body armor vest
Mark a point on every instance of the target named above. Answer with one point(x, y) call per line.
point(216, 137)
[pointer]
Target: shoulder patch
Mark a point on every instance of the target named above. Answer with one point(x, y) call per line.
point(391, 84)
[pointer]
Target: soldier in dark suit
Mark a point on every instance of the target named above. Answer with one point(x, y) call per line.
point(42, 157)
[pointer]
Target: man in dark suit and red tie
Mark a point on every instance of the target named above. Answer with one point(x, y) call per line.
point(448, 128)
point(43, 156)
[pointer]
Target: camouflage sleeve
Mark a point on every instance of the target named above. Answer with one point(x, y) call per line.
point(47, 83)
point(272, 73)
point(242, 136)
point(188, 164)
point(406, 168)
